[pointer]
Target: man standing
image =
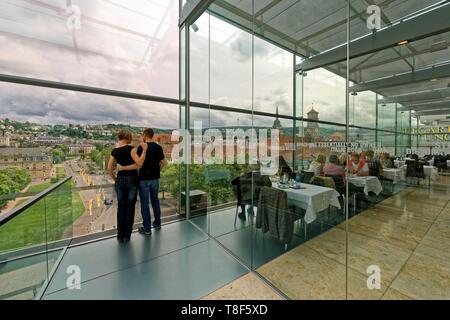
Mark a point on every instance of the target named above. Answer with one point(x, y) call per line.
point(149, 176)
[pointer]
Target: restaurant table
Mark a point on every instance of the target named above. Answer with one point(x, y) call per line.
point(430, 172)
point(370, 184)
point(399, 163)
point(311, 198)
point(394, 174)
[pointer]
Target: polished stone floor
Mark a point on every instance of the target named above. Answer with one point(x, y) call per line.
point(407, 236)
point(248, 287)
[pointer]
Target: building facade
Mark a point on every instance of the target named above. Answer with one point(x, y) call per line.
point(38, 161)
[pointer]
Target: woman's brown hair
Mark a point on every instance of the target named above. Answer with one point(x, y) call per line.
point(125, 135)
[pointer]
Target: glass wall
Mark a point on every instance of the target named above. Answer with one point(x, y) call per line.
point(243, 90)
point(288, 135)
point(117, 67)
point(132, 47)
point(55, 134)
point(254, 67)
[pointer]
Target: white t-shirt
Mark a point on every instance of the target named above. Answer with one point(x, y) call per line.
point(365, 168)
point(316, 167)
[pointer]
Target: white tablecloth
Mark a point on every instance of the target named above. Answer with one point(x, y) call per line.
point(313, 199)
point(396, 175)
point(370, 184)
point(431, 172)
point(399, 163)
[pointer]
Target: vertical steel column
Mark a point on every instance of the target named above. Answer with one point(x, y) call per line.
point(410, 140)
point(396, 129)
point(347, 136)
point(376, 119)
point(294, 101)
point(418, 135)
point(187, 142)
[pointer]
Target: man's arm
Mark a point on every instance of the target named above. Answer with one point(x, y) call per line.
point(139, 160)
point(162, 157)
point(110, 167)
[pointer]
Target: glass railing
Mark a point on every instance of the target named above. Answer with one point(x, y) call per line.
point(33, 235)
point(38, 224)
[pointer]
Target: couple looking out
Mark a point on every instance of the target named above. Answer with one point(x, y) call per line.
point(138, 171)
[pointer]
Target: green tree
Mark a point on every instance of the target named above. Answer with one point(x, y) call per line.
point(219, 190)
point(59, 155)
point(12, 180)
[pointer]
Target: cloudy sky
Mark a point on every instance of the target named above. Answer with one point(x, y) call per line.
point(133, 46)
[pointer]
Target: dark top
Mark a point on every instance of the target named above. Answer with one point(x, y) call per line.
point(124, 158)
point(374, 166)
point(150, 169)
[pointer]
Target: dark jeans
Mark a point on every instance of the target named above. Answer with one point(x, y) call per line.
point(126, 190)
point(148, 189)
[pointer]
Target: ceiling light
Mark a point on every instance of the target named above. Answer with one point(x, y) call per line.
point(403, 42)
point(354, 93)
point(434, 79)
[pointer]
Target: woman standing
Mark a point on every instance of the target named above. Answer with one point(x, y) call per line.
point(126, 182)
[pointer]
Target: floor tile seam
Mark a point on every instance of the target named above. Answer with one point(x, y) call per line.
point(410, 256)
point(238, 260)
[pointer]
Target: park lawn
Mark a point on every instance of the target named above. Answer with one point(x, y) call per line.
point(39, 187)
point(60, 173)
point(77, 206)
point(50, 216)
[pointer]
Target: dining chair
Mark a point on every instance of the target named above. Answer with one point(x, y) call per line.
point(248, 187)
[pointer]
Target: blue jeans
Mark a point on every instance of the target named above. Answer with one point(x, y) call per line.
point(126, 190)
point(148, 190)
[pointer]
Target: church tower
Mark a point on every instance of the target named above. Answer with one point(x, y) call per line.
point(312, 131)
point(277, 122)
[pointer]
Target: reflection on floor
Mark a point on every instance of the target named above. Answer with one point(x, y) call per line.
point(407, 236)
point(177, 262)
point(22, 278)
point(248, 243)
point(255, 249)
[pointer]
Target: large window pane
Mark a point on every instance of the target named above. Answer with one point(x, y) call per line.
point(324, 92)
point(130, 46)
point(55, 133)
point(273, 79)
point(386, 116)
point(363, 106)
